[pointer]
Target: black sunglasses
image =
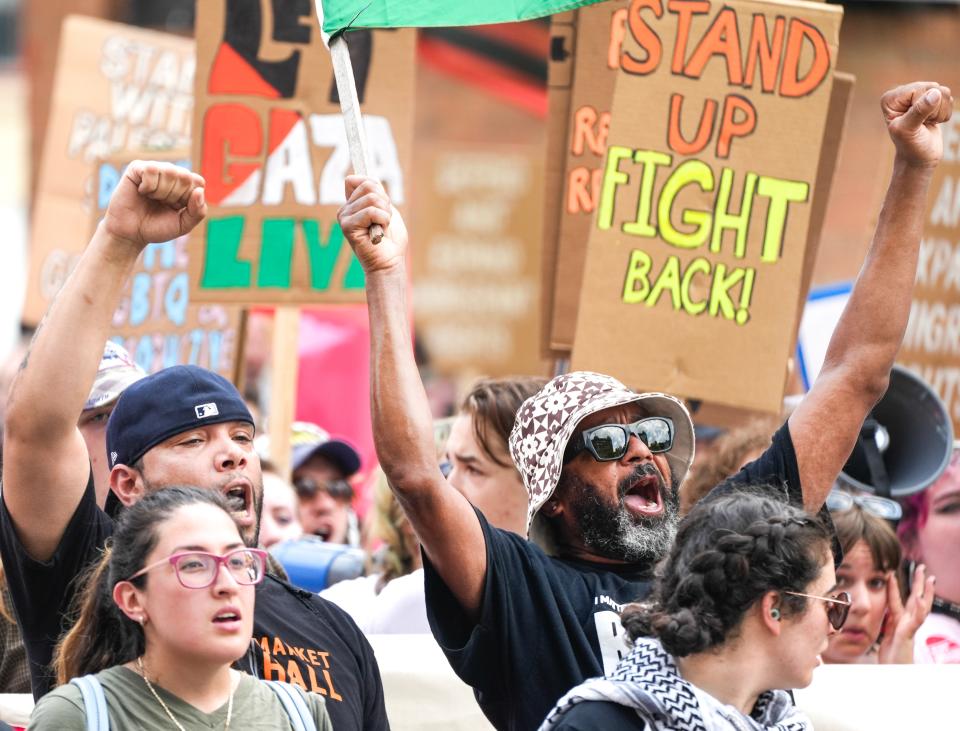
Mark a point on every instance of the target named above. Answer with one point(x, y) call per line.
point(838, 607)
point(338, 489)
point(609, 442)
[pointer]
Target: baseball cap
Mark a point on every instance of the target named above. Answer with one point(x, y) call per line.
point(167, 403)
point(117, 371)
point(309, 440)
point(546, 421)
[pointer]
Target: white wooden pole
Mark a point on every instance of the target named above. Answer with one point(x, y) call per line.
point(352, 119)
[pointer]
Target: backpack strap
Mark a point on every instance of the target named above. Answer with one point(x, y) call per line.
point(293, 703)
point(94, 702)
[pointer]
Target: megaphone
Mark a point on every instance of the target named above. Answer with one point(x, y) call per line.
point(314, 564)
point(905, 443)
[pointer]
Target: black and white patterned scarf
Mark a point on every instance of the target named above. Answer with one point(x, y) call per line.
point(647, 680)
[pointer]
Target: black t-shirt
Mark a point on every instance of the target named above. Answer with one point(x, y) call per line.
point(547, 624)
point(298, 636)
point(606, 715)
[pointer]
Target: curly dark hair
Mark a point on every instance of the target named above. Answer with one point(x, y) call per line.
point(729, 551)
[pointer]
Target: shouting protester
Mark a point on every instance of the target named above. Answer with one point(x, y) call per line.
point(523, 626)
point(181, 426)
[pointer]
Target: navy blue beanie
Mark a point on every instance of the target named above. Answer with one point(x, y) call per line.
point(168, 403)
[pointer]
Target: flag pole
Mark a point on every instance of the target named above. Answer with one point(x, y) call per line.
point(352, 119)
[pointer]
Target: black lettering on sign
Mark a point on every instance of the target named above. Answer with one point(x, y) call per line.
point(243, 32)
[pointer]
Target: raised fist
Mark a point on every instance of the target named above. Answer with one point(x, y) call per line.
point(368, 203)
point(912, 113)
point(154, 202)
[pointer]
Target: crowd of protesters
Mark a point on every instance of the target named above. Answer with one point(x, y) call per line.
point(567, 521)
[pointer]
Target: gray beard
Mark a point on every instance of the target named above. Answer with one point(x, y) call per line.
point(614, 532)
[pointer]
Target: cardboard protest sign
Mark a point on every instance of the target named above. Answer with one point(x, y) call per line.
point(271, 144)
point(116, 88)
point(476, 258)
point(155, 321)
point(695, 259)
point(563, 29)
point(931, 346)
point(599, 36)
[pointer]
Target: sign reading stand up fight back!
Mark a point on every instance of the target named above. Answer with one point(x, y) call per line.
point(270, 142)
point(117, 88)
point(931, 346)
point(155, 321)
point(695, 258)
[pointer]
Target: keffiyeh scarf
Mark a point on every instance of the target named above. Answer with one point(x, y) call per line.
point(647, 680)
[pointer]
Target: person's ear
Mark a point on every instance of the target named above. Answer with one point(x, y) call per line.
point(126, 484)
point(130, 602)
point(551, 508)
point(771, 615)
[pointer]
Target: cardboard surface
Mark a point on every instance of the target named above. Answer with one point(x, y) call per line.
point(156, 321)
point(476, 258)
point(599, 35)
point(271, 144)
point(563, 38)
point(695, 261)
point(931, 346)
point(116, 88)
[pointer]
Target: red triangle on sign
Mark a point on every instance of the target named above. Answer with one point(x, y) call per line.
point(232, 74)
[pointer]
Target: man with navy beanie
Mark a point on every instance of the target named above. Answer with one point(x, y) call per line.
point(181, 426)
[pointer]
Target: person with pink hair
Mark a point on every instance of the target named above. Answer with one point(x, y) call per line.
point(930, 533)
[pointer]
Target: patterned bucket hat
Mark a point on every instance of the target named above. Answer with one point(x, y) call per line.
point(547, 420)
point(117, 370)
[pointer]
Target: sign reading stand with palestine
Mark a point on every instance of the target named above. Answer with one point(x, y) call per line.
point(931, 346)
point(270, 142)
point(117, 88)
point(695, 258)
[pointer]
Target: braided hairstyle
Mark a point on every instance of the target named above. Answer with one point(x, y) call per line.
point(729, 551)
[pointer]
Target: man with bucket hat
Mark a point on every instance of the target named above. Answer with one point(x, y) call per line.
point(521, 622)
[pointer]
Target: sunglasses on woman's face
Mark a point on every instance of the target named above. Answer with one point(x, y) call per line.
point(838, 607)
point(609, 442)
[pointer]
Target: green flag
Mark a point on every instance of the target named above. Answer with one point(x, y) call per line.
point(341, 14)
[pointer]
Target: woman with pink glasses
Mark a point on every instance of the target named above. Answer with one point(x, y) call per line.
point(742, 607)
point(163, 618)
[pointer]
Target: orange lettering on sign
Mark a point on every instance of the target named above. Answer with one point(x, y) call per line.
point(644, 35)
point(765, 52)
point(675, 137)
point(721, 39)
point(590, 129)
point(685, 10)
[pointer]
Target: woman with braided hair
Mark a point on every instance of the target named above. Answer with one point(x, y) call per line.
point(743, 606)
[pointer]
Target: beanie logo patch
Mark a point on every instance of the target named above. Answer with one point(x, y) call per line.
point(113, 459)
point(204, 411)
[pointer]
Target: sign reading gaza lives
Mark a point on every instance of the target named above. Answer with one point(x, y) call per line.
point(695, 258)
point(931, 346)
point(155, 320)
point(116, 88)
point(271, 144)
